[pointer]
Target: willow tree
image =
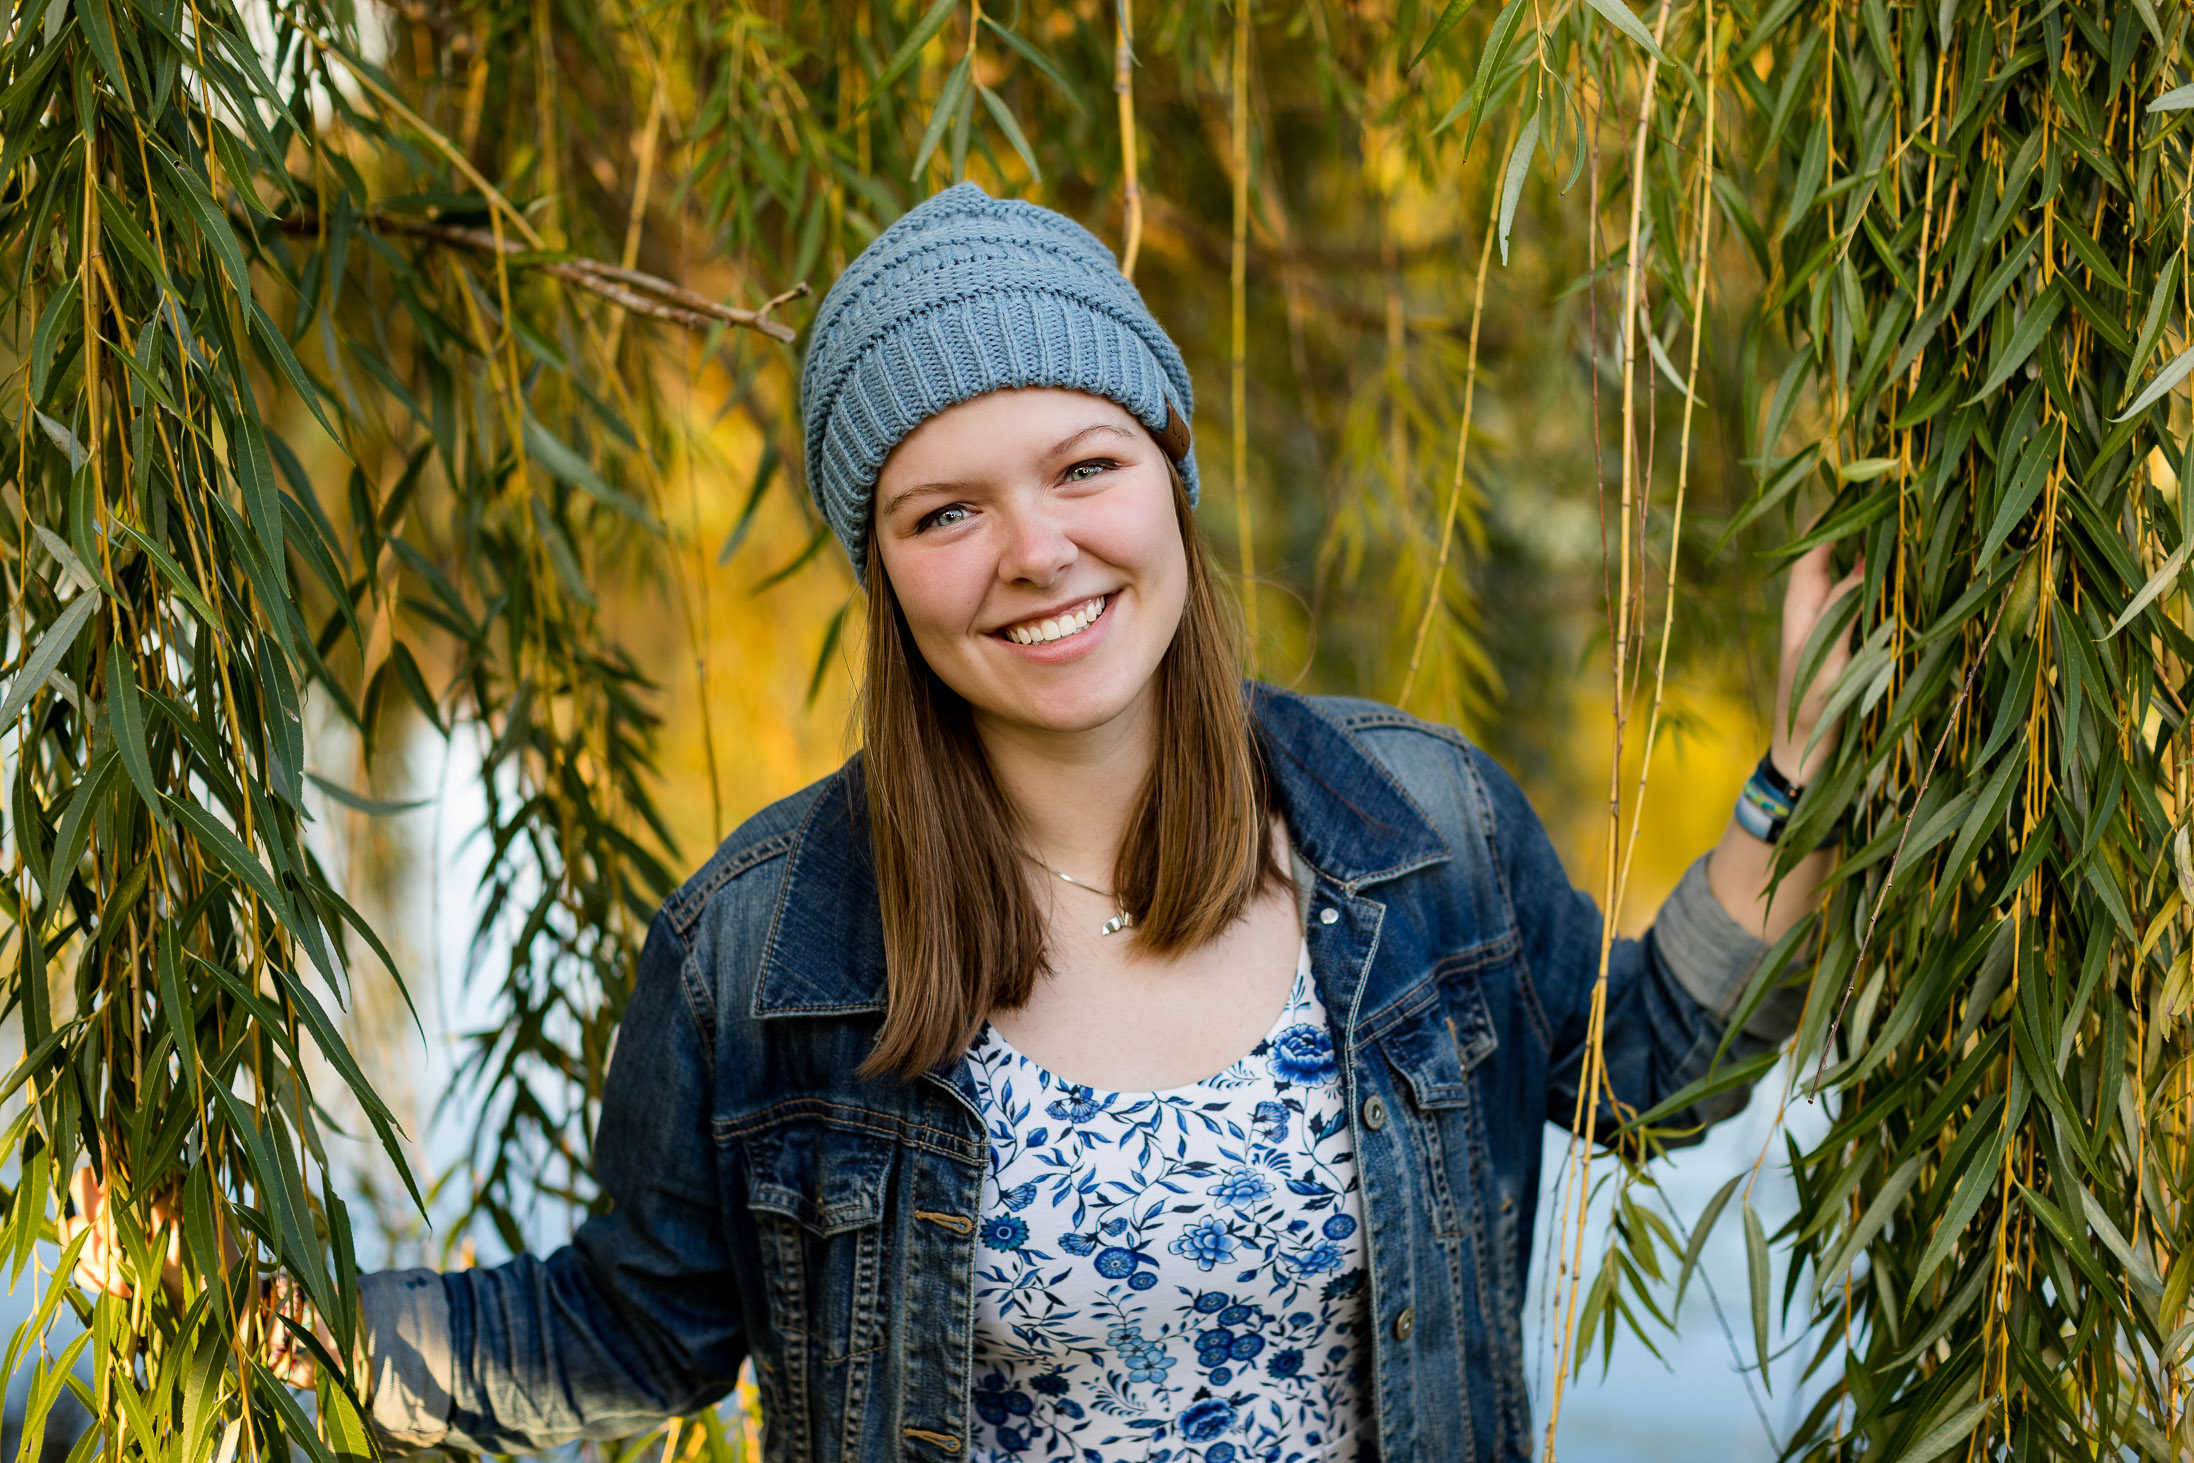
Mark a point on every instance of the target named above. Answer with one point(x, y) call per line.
point(1971, 223)
point(348, 359)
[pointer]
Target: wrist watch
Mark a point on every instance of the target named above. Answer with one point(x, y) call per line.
point(1767, 800)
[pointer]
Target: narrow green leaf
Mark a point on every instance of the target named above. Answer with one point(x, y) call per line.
point(2178, 99)
point(1512, 182)
point(1003, 116)
point(2167, 378)
point(1450, 16)
point(1948, 1434)
point(567, 466)
point(170, 571)
point(1040, 61)
point(129, 728)
point(940, 116)
point(2030, 333)
point(932, 21)
point(1619, 15)
point(1830, 1272)
point(46, 654)
point(53, 322)
point(1701, 1228)
point(369, 806)
point(1757, 1269)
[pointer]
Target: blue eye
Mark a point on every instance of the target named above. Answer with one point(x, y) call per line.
point(944, 517)
point(1101, 464)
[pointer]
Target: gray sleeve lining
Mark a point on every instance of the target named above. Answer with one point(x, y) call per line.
point(1713, 957)
point(405, 1315)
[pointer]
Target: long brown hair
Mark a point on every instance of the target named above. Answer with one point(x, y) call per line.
point(962, 931)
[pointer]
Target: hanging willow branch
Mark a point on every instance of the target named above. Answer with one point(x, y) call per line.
point(1971, 224)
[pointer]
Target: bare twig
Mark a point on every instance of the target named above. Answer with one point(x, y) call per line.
point(633, 289)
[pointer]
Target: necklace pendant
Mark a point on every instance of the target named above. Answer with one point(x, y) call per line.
point(1122, 920)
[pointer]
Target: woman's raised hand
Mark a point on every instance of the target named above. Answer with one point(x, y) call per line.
point(1810, 594)
point(100, 1264)
point(100, 1267)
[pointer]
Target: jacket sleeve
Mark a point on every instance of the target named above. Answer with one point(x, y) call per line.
point(1670, 995)
point(636, 1320)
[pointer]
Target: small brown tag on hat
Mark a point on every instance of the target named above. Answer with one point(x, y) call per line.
point(1174, 439)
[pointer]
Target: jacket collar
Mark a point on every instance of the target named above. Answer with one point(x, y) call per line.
point(1347, 816)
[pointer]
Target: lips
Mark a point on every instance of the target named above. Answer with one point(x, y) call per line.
point(1068, 623)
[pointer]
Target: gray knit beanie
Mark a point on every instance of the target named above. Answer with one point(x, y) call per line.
point(965, 295)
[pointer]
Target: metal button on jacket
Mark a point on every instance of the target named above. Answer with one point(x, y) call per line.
point(1405, 1323)
point(1374, 1113)
point(1328, 916)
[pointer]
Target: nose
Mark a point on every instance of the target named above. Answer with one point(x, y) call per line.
point(1038, 548)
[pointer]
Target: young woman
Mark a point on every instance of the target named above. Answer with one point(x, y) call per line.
point(1113, 1061)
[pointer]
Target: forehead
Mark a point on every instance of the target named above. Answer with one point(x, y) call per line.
point(1016, 423)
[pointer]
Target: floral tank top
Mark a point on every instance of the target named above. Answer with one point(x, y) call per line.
point(1176, 1276)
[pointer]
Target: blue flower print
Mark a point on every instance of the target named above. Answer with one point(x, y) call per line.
point(1148, 1365)
point(1076, 1107)
point(1005, 1232)
point(1206, 1420)
point(1115, 1263)
point(1244, 1188)
point(1304, 1055)
point(1206, 1242)
point(1151, 1264)
point(994, 1402)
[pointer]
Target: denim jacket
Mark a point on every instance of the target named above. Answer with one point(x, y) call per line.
point(767, 1203)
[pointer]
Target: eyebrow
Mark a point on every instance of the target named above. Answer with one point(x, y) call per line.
point(953, 485)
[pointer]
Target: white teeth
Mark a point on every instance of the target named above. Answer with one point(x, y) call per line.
point(1059, 628)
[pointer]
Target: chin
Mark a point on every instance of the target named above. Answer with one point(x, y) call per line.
point(1066, 710)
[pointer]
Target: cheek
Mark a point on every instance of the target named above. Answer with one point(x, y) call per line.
point(936, 598)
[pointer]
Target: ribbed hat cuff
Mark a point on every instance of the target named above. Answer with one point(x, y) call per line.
point(956, 353)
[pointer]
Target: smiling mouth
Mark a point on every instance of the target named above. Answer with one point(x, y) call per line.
point(1057, 627)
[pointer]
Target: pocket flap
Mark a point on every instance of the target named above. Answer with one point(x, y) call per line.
point(828, 1179)
point(1435, 1049)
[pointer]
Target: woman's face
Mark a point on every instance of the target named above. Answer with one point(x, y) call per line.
point(1031, 541)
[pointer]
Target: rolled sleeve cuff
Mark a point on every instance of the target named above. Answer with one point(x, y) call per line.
point(406, 1318)
point(1713, 957)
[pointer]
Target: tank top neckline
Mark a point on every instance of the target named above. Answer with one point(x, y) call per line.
point(1294, 1000)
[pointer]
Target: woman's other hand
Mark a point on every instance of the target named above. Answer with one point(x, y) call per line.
point(1809, 596)
point(100, 1267)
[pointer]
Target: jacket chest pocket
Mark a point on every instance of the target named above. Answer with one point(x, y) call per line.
point(817, 1194)
point(1432, 1049)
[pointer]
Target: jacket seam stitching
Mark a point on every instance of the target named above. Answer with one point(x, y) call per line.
point(920, 1134)
point(1489, 829)
point(688, 904)
point(1341, 724)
